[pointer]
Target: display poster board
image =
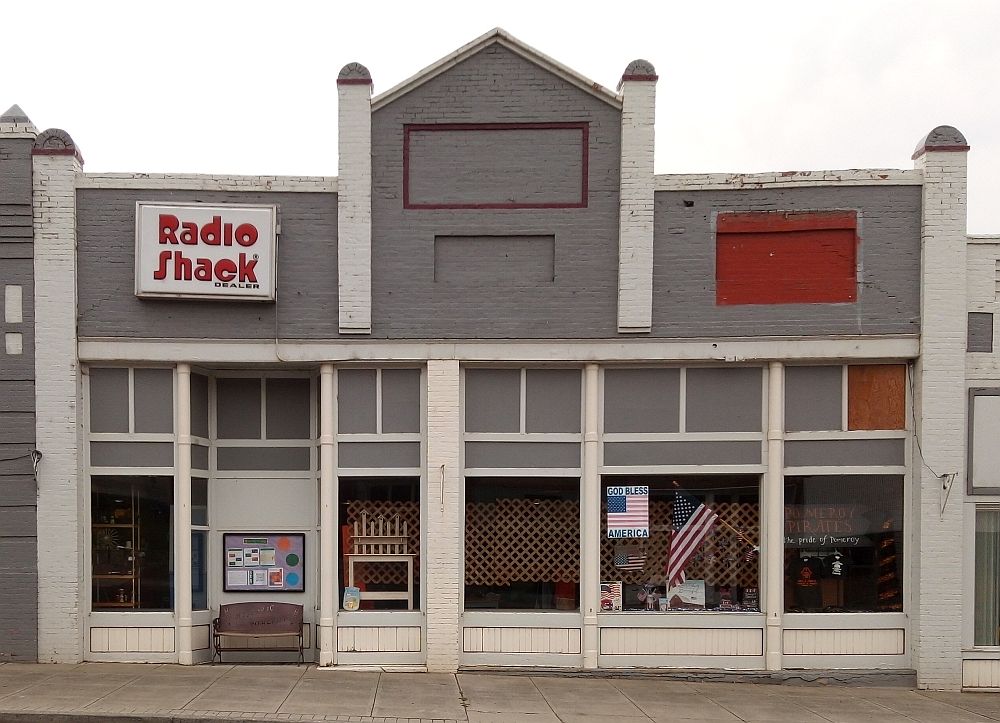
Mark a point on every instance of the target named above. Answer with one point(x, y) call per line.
point(627, 511)
point(264, 562)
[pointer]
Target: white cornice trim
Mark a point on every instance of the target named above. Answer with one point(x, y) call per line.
point(208, 182)
point(788, 179)
point(500, 37)
point(240, 352)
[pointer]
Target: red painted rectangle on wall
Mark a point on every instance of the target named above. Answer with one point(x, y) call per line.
point(774, 257)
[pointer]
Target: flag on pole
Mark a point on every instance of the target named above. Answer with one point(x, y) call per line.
point(692, 520)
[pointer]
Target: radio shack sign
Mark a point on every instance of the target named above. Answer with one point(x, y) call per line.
point(205, 252)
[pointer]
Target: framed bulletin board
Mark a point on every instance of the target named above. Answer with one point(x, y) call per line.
point(264, 562)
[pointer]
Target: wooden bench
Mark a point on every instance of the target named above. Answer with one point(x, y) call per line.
point(258, 620)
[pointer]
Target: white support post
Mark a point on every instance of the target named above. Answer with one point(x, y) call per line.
point(444, 516)
point(940, 405)
point(636, 197)
point(182, 516)
point(590, 524)
point(774, 528)
point(56, 162)
point(354, 199)
point(327, 520)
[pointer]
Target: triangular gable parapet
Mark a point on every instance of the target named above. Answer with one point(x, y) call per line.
point(498, 36)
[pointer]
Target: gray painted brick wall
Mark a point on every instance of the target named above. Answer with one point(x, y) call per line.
point(888, 255)
point(18, 547)
point(495, 86)
point(307, 272)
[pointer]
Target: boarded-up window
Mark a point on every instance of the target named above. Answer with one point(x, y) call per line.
point(876, 396)
point(786, 258)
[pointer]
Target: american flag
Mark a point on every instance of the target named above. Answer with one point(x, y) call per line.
point(628, 559)
point(628, 511)
point(693, 520)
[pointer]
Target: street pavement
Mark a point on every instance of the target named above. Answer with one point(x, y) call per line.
point(137, 693)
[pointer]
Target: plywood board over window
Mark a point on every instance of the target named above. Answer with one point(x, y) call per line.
point(876, 396)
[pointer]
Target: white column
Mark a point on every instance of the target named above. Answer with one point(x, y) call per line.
point(774, 523)
point(590, 523)
point(444, 516)
point(327, 520)
point(354, 199)
point(939, 398)
point(61, 489)
point(182, 515)
point(635, 219)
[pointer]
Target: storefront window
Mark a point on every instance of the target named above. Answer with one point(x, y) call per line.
point(380, 543)
point(671, 543)
point(987, 577)
point(131, 543)
point(522, 543)
point(199, 542)
point(844, 543)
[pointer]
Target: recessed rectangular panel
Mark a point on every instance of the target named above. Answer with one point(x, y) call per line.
point(521, 454)
point(641, 400)
point(109, 400)
point(400, 400)
point(288, 414)
point(724, 400)
point(356, 401)
point(876, 396)
point(775, 257)
point(238, 408)
point(814, 398)
point(199, 456)
point(491, 261)
point(552, 400)
point(495, 165)
point(378, 454)
point(845, 452)
point(199, 405)
point(980, 337)
point(131, 454)
point(154, 400)
point(492, 400)
point(624, 454)
point(277, 459)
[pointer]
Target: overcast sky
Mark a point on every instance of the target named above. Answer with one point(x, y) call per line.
point(249, 87)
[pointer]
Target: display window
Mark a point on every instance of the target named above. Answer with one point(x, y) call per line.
point(987, 598)
point(844, 543)
point(199, 543)
point(379, 543)
point(132, 543)
point(522, 543)
point(680, 543)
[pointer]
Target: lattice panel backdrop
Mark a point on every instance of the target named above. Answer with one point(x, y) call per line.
point(408, 512)
point(522, 541)
point(722, 559)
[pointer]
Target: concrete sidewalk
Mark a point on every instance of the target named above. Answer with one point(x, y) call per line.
point(98, 692)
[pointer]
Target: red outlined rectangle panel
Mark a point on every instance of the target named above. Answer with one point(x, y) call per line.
point(774, 257)
point(495, 165)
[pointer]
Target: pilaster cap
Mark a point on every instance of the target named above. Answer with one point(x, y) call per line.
point(354, 74)
point(638, 70)
point(942, 138)
point(15, 123)
point(56, 142)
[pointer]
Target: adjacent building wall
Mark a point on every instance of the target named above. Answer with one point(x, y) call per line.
point(18, 549)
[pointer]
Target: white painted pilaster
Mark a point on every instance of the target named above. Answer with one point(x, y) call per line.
point(635, 220)
point(444, 516)
point(182, 516)
point(327, 519)
point(590, 511)
point(61, 490)
point(354, 199)
point(939, 399)
point(773, 503)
